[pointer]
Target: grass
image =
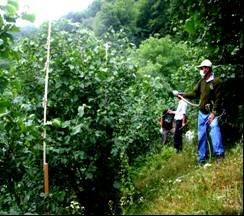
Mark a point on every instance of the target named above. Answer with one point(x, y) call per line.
point(170, 183)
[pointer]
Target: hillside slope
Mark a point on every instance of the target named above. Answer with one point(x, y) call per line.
point(170, 183)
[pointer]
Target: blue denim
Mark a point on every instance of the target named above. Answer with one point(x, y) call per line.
point(215, 135)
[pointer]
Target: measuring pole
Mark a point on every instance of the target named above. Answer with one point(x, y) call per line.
point(45, 164)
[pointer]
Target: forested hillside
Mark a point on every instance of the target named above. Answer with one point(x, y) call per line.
point(112, 70)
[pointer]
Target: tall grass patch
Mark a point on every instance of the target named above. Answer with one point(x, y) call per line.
point(178, 186)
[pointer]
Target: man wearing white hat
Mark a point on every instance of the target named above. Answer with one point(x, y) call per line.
point(208, 89)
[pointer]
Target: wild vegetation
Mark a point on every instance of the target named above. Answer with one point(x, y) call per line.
point(103, 142)
point(171, 184)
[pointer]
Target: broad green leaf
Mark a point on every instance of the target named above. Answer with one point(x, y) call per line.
point(56, 122)
point(76, 129)
point(81, 110)
point(28, 17)
point(4, 114)
point(11, 10)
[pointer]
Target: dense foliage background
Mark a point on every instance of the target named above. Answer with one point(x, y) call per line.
point(104, 109)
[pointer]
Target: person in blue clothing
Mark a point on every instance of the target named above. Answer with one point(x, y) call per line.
point(208, 89)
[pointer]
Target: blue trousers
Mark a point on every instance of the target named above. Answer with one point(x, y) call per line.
point(215, 135)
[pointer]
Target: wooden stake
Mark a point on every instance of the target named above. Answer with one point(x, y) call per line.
point(45, 169)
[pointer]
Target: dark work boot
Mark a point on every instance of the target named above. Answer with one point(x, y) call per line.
point(219, 159)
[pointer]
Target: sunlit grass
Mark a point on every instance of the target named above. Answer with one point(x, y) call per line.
point(177, 186)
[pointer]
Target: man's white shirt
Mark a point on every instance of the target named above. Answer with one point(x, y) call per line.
point(181, 110)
